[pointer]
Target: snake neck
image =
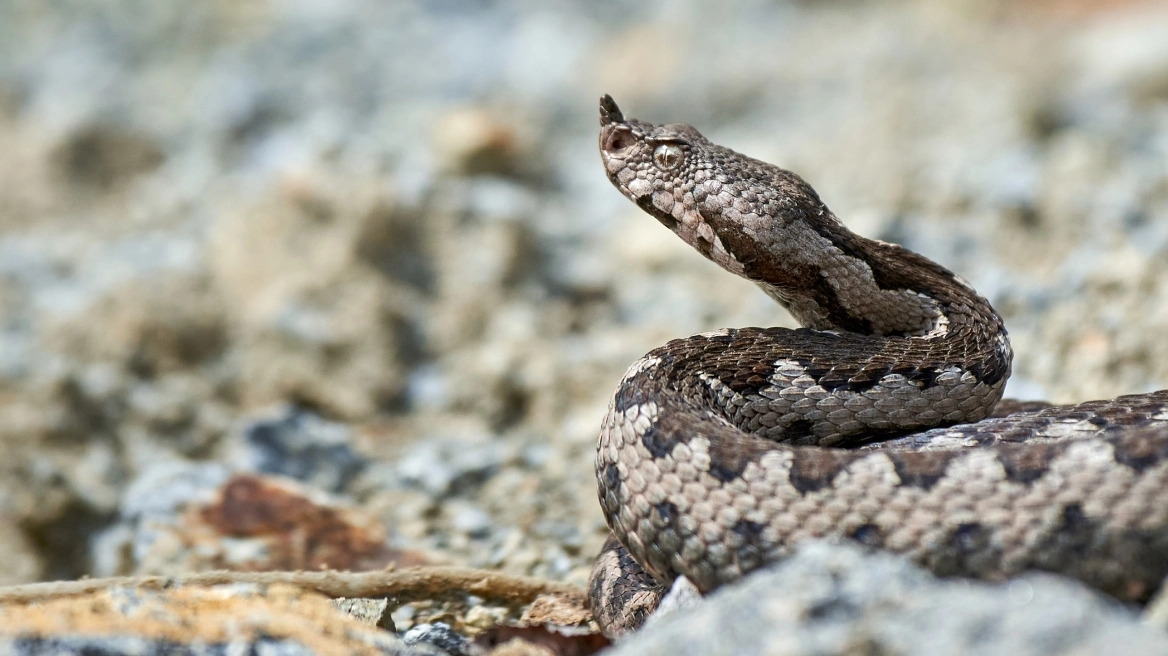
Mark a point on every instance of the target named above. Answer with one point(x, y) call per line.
point(831, 279)
point(767, 225)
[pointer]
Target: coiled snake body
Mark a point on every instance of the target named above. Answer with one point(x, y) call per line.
point(875, 422)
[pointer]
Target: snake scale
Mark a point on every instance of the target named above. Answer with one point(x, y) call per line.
point(875, 422)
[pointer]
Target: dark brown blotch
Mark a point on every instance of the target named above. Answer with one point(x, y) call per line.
point(750, 553)
point(612, 481)
point(627, 396)
point(729, 464)
point(815, 469)
point(667, 220)
point(1024, 464)
point(704, 246)
point(963, 550)
point(1128, 419)
point(826, 296)
point(667, 511)
point(658, 441)
point(991, 371)
point(921, 469)
point(868, 535)
point(969, 538)
point(1141, 449)
point(797, 430)
point(1077, 533)
point(731, 451)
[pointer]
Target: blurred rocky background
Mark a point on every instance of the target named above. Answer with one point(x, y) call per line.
point(351, 271)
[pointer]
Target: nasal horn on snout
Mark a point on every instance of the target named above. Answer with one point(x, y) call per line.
point(609, 112)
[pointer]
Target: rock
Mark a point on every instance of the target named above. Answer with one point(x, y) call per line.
point(265, 523)
point(371, 612)
point(194, 621)
point(839, 599)
point(683, 594)
point(441, 467)
point(303, 446)
point(483, 617)
point(470, 520)
point(1138, 69)
point(182, 518)
point(439, 635)
point(146, 538)
point(317, 321)
point(149, 327)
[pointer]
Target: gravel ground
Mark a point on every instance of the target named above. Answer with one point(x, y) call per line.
point(381, 231)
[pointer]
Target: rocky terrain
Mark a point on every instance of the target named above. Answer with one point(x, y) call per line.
point(357, 265)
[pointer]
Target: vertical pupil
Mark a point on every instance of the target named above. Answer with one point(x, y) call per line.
point(668, 157)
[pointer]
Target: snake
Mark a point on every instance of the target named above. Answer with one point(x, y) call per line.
point(879, 421)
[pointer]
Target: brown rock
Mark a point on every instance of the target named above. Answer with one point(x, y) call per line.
point(289, 530)
point(233, 617)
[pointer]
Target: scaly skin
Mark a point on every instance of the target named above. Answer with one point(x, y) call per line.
point(723, 451)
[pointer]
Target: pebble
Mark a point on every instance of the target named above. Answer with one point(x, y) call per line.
point(303, 446)
point(471, 521)
point(440, 467)
point(439, 635)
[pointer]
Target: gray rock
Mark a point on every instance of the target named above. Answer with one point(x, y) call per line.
point(831, 599)
point(365, 611)
point(471, 521)
point(150, 513)
point(443, 467)
point(121, 645)
point(163, 489)
point(438, 635)
point(682, 595)
point(303, 446)
point(138, 646)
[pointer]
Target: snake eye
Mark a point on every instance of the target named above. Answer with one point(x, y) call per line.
point(668, 156)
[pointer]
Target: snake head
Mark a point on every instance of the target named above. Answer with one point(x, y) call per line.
point(643, 159)
point(725, 205)
point(658, 167)
point(766, 224)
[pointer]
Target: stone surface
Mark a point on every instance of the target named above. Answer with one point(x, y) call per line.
point(303, 446)
point(371, 612)
point(194, 621)
point(210, 210)
point(188, 518)
point(439, 635)
point(840, 600)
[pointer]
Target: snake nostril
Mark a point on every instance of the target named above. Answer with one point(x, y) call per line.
point(618, 139)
